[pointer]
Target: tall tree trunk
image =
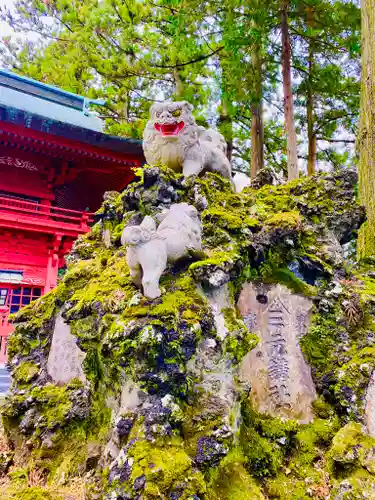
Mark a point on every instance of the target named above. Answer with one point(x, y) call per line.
point(226, 125)
point(366, 142)
point(225, 116)
point(257, 131)
point(179, 84)
point(310, 116)
point(290, 128)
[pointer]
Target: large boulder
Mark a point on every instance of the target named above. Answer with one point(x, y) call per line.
point(157, 408)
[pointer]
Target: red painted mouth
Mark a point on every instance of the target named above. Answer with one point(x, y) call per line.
point(169, 128)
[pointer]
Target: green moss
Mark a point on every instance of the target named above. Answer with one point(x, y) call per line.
point(352, 447)
point(284, 454)
point(322, 409)
point(10, 407)
point(320, 343)
point(264, 457)
point(31, 493)
point(231, 481)
point(68, 456)
point(202, 416)
point(300, 477)
point(164, 468)
point(239, 341)
point(87, 246)
point(265, 441)
point(175, 304)
point(353, 376)
point(218, 259)
point(239, 346)
point(32, 326)
point(289, 279)
point(229, 220)
point(182, 302)
point(54, 404)
point(25, 372)
point(287, 487)
point(109, 288)
point(358, 486)
point(366, 287)
point(285, 219)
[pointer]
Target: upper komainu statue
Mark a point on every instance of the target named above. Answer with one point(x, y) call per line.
point(173, 138)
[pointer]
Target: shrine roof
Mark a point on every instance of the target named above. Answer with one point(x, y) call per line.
point(46, 109)
point(49, 101)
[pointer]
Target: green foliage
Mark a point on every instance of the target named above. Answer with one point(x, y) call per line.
point(132, 54)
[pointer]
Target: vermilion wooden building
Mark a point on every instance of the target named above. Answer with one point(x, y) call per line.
point(55, 165)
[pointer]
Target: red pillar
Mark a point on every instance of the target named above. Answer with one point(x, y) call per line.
point(53, 265)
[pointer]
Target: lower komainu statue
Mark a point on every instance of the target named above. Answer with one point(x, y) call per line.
point(151, 248)
point(173, 138)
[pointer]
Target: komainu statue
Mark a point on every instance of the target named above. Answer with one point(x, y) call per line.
point(173, 138)
point(150, 248)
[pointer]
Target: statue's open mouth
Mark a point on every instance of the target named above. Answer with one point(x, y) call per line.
point(170, 128)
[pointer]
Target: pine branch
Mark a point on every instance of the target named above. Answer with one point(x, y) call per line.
point(317, 40)
point(193, 61)
point(334, 118)
point(345, 141)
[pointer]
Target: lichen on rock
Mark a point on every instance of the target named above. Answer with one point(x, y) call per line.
point(161, 412)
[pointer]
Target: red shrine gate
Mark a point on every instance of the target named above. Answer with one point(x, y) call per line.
point(52, 178)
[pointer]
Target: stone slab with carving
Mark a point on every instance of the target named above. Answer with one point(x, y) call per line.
point(150, 248)
point(173, 138)
point(370, 406)
point(65, 357)
point(280, 378)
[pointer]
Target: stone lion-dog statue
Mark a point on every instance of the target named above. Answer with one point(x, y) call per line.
point(149, 248)
point(173, 138)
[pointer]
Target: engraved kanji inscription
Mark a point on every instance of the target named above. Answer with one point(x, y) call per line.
point(280, 378)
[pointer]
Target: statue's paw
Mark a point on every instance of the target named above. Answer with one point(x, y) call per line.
point(151, 291)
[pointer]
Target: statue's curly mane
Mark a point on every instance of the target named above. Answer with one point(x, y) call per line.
point(173, 138)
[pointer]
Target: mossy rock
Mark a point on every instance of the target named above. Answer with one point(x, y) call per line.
point(156, 346)
point(231, 481)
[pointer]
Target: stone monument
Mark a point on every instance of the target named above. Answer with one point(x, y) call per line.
point(65, 357)
point(173, 138)
point(370, 406)
point(280, 378)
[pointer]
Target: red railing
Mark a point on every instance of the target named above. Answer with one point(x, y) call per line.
point(64, 216)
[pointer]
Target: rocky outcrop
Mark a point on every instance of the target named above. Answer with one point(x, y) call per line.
point(161, 411)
